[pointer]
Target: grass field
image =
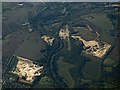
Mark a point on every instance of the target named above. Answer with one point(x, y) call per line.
point(69, 67)
point(24, 44)
point(12, 41)
point(114, 55)
point(109, 62)
point(14, 16)
point(31, 47)
point(64, 68)
point(101, 20)
point(83, 32)
point(92, 68)
point(6, 39)
point(13, 33)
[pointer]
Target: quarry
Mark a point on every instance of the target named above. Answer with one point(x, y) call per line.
point(92, 47)
point(48, 39)
point(27, 70)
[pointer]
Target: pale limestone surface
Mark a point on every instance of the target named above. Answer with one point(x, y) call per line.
point(48, 39)
point(26, 68)
point(92, 47)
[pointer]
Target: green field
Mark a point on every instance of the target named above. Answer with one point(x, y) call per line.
point(92, 69)
point(83, 32)
point(6, 39)
point(109, 62)
point(63, 70)
point(101, 20)
point(46, 82)
point(14, 16)
point(31, 46)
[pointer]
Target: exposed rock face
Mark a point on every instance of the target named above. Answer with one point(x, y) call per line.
point(92, 47)
point(64, 33)
point(48, 39)
point(27, 69)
